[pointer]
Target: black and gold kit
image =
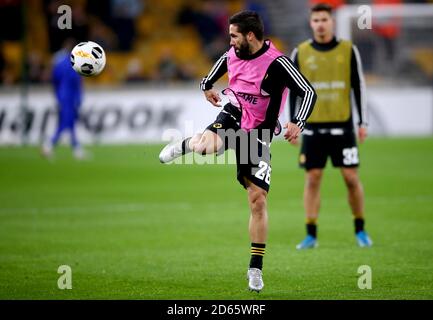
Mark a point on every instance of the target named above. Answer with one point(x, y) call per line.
point(334, 70)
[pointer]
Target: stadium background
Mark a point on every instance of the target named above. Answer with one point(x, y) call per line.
point(131, 228)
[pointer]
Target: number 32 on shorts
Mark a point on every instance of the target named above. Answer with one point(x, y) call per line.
point(264, 173)
point(350, 156)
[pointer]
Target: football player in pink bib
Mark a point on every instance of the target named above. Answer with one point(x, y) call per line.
point(259, 79)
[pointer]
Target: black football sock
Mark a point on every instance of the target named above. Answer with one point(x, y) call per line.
point(185, 146)
point(257, 253)
point(359, 224)
point(312, 229)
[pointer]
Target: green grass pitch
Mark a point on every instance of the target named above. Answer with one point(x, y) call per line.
point(132, 228)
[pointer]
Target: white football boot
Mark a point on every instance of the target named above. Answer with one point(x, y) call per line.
point(171, 151)
point(47, 150)
point(255, 281)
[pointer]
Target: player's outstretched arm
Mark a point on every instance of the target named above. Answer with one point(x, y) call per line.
point(213, 97)
point(292, 133)
point(206, 85)
point(300, 86)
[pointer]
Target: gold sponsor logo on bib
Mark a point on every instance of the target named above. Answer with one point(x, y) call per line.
point(302, 158)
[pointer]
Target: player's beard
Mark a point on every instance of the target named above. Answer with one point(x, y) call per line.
point(243, 52)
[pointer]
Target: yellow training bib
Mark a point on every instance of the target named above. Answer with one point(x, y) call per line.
point(329, 74)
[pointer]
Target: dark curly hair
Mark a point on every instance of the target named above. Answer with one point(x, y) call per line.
point(247, 21)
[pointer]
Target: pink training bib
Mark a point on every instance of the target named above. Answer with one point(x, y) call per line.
point(245, 80)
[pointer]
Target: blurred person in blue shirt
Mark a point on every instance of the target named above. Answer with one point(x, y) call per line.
point(68, 91)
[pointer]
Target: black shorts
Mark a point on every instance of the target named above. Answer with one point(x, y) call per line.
point(253, 157)
point(318, 144)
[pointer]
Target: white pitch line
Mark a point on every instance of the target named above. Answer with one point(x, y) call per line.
point(139, 207)
point(109, 208)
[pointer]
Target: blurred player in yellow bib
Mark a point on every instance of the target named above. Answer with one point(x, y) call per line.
point(334, 69)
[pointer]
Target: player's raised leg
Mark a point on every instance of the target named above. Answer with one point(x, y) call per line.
point(202, 143)
point(356, 202)
point(313, 179)
point(258, 230)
